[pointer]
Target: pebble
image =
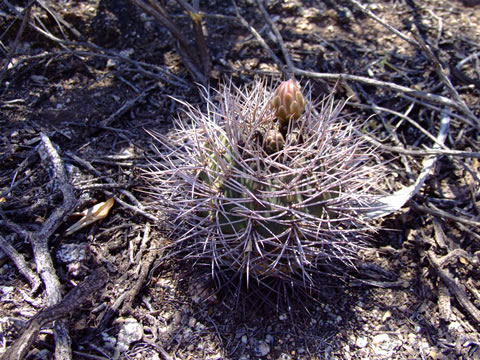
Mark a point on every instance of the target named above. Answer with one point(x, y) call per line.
point(378, 339)
point(130, 331)
point(7, 291)
point(361, 342)
point(261, 349)
point(68, 253)
point(386, 316)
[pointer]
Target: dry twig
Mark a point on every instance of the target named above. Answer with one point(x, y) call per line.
point(128, 105)
point(25, 19)
point(279, 38)
point(144, 264)
point(262, 42)
point(432, 210)
point(196, 17)
point(70, 303)
point(457, 290)
point(441, 74)
point(383, 23)
point(39, 241)
point(189, 57)
point(20, 262)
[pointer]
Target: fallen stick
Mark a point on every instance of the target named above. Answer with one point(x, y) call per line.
point(39, 242)
point(457, 290)
point(20, 263)
point(70, 303)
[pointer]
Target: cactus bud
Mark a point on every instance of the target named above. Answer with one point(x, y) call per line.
point(273, 141)
point(288, 102)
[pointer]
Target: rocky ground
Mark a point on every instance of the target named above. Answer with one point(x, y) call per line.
point(82, 81)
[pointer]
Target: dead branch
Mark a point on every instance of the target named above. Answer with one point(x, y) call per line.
point(165, 74)
point(432, 210)
point(25, 19)
point(457, 290)
point(39, 241)
point(70, 303)
point(412, 152)
point(59, 19)
point(262, 42)
point(189, 57)
point(137, 207)
point(441, 74)
point(402, 116)
point(385, 84)
point(383, 23)
point(279, 38)
point(20, 263)
point(196, 18)
point(143, 268)
point(128, 105)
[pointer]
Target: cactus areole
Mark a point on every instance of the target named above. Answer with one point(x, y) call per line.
point(265, 183)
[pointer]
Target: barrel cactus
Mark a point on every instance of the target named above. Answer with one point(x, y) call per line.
point(265, 184)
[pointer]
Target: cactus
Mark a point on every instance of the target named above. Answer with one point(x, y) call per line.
point(262, 186)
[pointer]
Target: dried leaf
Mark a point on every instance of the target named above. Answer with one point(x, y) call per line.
point(91, 215)
point(386, 205)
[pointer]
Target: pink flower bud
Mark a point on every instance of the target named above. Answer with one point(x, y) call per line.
point(288, 102)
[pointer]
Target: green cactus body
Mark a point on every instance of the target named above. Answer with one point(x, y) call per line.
point(266, 211)
point(257, 208)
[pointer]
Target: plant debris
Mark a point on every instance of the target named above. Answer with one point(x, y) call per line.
point(81, 81)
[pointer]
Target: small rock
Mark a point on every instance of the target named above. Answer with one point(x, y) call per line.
point(291, 5)
point(108, 341)
point(454, 326)
point(7, 291)
point(412, 339)
point(130, 332)
point(282, 317)
point(361, 342)
point(386, 316)
point(375, 7)
point(313, 13)
point(127, 52)
point(378, 339)
point(261, 349)
point(68, 253)
point(244, 339)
